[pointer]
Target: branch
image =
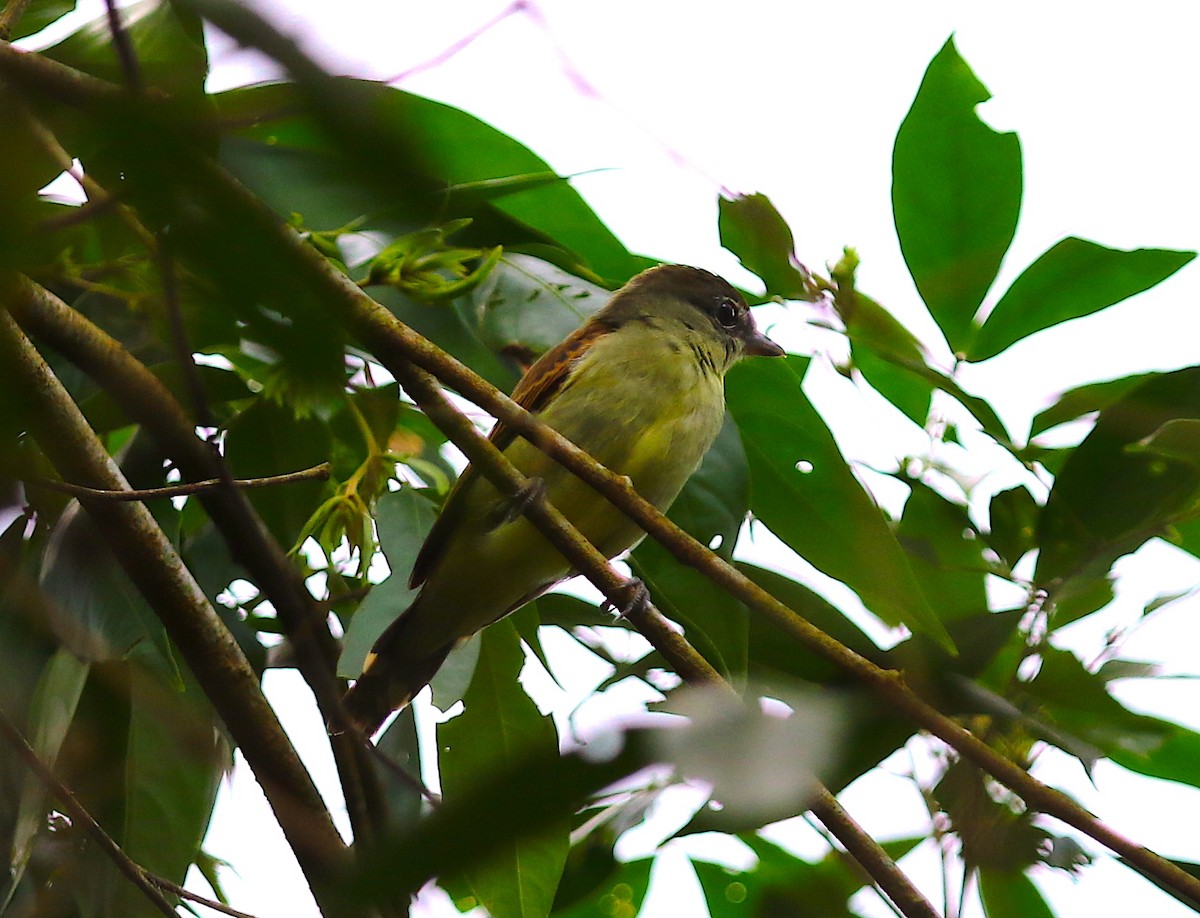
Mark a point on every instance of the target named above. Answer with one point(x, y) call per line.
point(168, 587)
point(13, 10)
point(221, 907)
point(144, 398)
point(315, 473)
point(80, 816)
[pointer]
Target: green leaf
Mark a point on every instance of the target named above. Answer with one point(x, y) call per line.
point(1009, 894)
point(500, 727)
point(403, 518)
point(956, 194)
point(526, 306)
point(38, 15)
point(714, 503)
point(167, 40)
point(1073, 278)
point(1109, 499)
point(175, 759)
point(268, 439)
point(803, 491)
point(1178, 439)
point(93, 606)
point(945, 553)
point(50, 715)
point(993, 835)
point(715, 623)
point(1012, 516)
point(622, 893)
point(908, 391)
point(1174, 759)
point(757, 234)
point(1074, 403)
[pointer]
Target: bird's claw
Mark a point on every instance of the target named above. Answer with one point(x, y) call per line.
point(634, 597)
point(512, 507)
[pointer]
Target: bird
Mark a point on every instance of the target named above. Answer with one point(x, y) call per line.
point(640, 387)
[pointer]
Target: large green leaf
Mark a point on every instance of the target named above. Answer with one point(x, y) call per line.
point(757, 234)
point(167, 42)
point(500, 727)
point(956, 194)
point(620, 894)
point(945, 553)
point(1073, 278)
point(403, 519)
point(38, 15)
point(1113, 493)
point(268, 439)
point(803, 491)
point(175, 758)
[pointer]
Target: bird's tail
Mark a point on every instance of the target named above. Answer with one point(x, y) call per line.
point(391, 677)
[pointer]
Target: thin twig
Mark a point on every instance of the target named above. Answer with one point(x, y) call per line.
point(80, 816)
point(178, 890)
point(315, 473)
point(179, 339)
point(124, 47)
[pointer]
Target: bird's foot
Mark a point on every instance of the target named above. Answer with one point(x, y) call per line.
point(512, 507)
point(634, 597)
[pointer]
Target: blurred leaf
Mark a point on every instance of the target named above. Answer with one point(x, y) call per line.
point(1073, 278)
point(1075, 403)
point(500, 727)
point(1087, 595)
point(803, 491)
point(175, 760)
point(757, 234)
point(945, 553)
point(1178, 439)
point(993, 834)
point(1010, 894)
point(399, 743)
point(526, 306)
point(403, 518)
point(167, 41)
point(38, 15)
point(1013, 516)
point(450, 683)
point(220, 386)
point(268, 439)
point(50, 714)
point(1109, 499)
point(956, 194)
point(1174, 759)
point(94, 608)
point(620, 895)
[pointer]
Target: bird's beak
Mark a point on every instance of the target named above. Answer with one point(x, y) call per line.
point(759, 345)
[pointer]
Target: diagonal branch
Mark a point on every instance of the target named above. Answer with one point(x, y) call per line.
point(157, 571)
point(147, 401)
point(81, 817)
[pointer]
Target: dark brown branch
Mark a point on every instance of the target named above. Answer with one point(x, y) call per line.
point(81, 817)
point(124, 47)
point(156, 570)
point(315, 473)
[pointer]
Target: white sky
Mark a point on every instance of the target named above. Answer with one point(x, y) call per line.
point(801, 101)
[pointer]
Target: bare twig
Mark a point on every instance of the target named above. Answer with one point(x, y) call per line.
point(80, 816)
point(315, 473)
point(164, 883)
point(124, 47)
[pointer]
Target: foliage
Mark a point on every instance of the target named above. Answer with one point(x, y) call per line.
point(469, 238)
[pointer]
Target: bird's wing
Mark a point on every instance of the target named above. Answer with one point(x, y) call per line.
point(547, 376)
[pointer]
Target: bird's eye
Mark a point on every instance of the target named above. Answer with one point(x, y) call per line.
point(727, 313)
